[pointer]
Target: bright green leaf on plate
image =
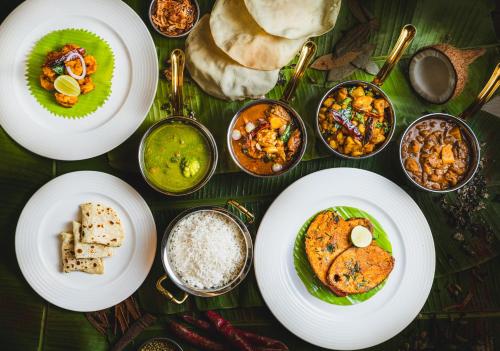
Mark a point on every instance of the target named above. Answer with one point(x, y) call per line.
point(95, 46)
point(306, 274)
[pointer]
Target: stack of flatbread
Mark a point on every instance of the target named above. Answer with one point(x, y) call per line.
point(237, 51)
point(92, 240)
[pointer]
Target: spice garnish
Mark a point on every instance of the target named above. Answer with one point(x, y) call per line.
point(174, 17)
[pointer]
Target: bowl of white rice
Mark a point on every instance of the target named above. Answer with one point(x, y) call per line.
point(206, 251)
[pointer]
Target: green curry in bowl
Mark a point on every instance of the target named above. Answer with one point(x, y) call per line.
point(177, 157)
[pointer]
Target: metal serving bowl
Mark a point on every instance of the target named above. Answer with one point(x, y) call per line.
point(392, 116)
point(172, 274)
point(210, 141)
point(472, 142)
point(166, 340)
point(306, 54)
point(178, 59)
point(407, 34)
point(475, 150)
point(298, 122)
point(151, 12)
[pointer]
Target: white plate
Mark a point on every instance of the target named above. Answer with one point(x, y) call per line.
point(133, 85)
point(52, 209)
point(367, 323)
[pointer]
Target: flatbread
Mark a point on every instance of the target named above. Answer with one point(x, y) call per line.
point(241, 38)
point(219, 75)
point(83, 250)
point(295, 19)
point(101, 225)
point(72, 264)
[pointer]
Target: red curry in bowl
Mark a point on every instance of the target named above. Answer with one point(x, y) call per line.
point(266, 138)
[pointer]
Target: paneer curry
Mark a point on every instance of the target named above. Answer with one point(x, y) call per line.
point(355, 120)
point(266, 139)
point(435, 154)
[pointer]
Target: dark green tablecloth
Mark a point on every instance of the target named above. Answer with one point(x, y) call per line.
point(27, 322)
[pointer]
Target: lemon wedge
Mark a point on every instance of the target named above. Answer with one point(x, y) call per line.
point(361, 236)
point(67, 85)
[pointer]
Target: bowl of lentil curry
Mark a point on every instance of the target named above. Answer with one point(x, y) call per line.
point(356, 119)
point(174, 18)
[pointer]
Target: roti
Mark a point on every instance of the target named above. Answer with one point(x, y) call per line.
point(71, 264)
point(294, 19)
point(83, 250)
point(101, 225)
point(219, 75)
point(237, 34)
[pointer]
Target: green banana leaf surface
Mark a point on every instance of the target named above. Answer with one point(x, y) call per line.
point(463, 309)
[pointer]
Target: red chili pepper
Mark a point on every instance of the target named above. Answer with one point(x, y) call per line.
point(203, 325)
point(368, 130)
point(341, 118)
point(194, 338)
point(254, 339)
point(262, 340)
point(226, 329)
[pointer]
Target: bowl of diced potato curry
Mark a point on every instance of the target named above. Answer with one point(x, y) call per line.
point(439, 153)
point(355, 119)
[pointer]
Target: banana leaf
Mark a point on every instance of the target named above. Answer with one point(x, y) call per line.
point(27, 322)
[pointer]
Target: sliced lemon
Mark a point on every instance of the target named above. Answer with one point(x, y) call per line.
point(361, 236)
point(67, 85)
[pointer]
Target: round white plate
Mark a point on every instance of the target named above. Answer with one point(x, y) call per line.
point(367, 323)
point(51, 210)
point(133, 87)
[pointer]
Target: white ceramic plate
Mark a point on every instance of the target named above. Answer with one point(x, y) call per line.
point(134, 81)
point(52, 209)
point(367, 323)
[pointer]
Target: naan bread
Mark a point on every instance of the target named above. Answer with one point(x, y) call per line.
point(219, 75)
point(71, 264)
point(83, 250)
point(101, 225)
point(294, 19)
point(240, 37)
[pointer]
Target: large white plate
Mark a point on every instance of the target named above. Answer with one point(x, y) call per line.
point(133, 86)
point(370, 322)
point(51, 210)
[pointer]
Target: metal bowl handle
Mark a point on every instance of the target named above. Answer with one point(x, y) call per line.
point(249, 215)
point(177, 59)
point(167, 293)
point(407, 34)
point(485, 94)
point(306, 54)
